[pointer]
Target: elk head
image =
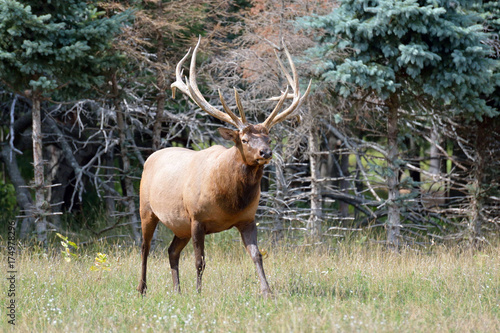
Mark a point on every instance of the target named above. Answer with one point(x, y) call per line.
point(252, 140)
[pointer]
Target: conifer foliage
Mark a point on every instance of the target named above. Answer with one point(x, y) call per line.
point(431, 49)
point(49, 45)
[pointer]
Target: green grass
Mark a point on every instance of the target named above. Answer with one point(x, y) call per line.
point(345, 288)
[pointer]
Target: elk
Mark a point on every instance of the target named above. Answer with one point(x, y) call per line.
point(196, 193)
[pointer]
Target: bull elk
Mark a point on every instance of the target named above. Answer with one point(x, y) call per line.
point(195, 193)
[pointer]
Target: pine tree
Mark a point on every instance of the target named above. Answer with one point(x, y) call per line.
point(51, 50)
point(410, 54)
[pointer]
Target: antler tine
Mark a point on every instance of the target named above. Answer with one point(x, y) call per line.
point(277, 108)
point(273, 119)
point(240, 106)
point(292, 66)
point(178, 77)
point(291, 81)
point(296, 103)
point(190, 88)
point(229, 112)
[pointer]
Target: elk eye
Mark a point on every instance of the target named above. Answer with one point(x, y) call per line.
point(244, 141)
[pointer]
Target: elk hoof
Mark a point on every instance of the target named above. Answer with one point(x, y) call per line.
point(142, 289)
point(267, 294)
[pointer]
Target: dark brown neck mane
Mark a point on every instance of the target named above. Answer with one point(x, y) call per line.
point(239, 185)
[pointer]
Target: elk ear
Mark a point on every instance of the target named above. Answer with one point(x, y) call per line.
point(229, 134)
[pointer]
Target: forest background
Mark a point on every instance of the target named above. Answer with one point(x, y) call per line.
point(398, 141)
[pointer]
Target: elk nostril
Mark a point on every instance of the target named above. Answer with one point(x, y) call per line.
point(266, 153)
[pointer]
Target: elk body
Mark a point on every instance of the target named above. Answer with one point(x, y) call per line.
point(195, 193)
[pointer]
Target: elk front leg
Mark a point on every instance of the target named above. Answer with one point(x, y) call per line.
point(148, 222)
point(249, 237)
point(198, 234)
point(174, 252)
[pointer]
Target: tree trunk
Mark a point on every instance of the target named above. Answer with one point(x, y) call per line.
point(280, 182)
point(476, 205)
point(129, 186)
point(41, 205)
point(435, 159)
point(358, 182)
point(314, 222)
point(108, 195)
point(393, 214)
point(477, 198)
point(344, 184)
point(157, 127)
point(53, 159)
point(160, 99)
point(161, 83)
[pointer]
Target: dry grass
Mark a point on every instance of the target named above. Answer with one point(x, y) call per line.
point(347, 288)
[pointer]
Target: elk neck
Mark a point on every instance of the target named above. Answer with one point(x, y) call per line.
point(238, 184)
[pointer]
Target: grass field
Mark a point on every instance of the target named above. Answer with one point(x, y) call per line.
point(344, 288)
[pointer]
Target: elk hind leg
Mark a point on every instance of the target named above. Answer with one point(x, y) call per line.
point(174, 252)
point(149, 221)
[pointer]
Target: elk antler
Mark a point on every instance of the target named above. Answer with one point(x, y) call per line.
point(190, 88)
point(274, 117)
